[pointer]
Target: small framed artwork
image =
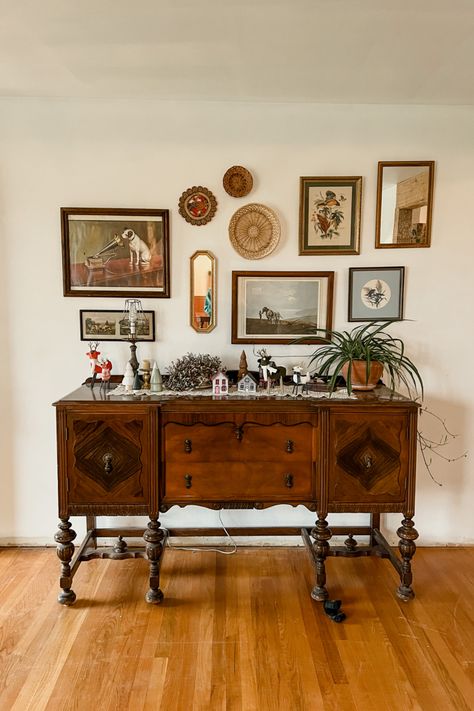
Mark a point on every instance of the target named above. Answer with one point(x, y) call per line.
point(103, 325)
point(330, 215)
point(115, 252)
point(280, 307)
point(376, 293)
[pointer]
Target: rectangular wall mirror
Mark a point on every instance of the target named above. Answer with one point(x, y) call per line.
point(203, 291)
point(404, 204)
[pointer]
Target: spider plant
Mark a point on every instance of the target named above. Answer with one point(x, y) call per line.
point(369, 343)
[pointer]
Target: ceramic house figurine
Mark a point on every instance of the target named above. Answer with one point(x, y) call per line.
point(220, 384)
point(247, 385)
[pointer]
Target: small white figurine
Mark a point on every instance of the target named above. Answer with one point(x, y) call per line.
point(300, 380)
point(156, 380)
point(128, 378)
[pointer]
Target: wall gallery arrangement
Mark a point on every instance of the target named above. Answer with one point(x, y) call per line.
point(125, 253)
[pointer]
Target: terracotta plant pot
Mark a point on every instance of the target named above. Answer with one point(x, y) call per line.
point(359, 375)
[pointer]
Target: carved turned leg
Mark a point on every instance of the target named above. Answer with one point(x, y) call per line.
point(407, 534)
point(65, 550)
point(154, 549)
point(321, 534)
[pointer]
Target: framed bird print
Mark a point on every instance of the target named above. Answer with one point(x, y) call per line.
point(376, 293)
point(330, 215)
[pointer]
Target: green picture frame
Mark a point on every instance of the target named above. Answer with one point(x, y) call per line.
point(330, 213)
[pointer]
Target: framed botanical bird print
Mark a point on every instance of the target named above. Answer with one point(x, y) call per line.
point(376, 293)
point(330, 210)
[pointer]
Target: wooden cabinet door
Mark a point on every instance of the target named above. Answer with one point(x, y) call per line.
point(109, 461)
point(368, 460)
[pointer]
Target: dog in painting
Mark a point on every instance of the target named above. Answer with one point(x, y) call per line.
point(139, 250)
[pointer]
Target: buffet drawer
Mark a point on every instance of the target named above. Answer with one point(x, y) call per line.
point(225, 480)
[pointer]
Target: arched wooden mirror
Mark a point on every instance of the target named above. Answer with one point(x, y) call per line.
point(203, 292)
point(404, 204)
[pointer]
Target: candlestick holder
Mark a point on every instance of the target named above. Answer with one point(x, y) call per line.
point(146, 375)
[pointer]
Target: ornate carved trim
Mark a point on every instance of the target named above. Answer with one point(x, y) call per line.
point(231, 505)
point(107, 510)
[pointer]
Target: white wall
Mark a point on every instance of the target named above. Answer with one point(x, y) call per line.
point(144, 154)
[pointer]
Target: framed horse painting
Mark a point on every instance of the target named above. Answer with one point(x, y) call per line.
point(280, 307)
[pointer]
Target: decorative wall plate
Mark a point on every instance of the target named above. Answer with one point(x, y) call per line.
point(237, 181)
point(254, 231)
point(197, 205)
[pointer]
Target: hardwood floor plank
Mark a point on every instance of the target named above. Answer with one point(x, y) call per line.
point(236, 633)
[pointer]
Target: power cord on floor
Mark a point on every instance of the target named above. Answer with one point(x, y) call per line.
point(204, 549)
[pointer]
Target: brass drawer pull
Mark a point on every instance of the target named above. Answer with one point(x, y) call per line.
point(188, 446)
point(368, 462)
point(239, 432)
point(289, 480)
point(107, 459)
point(289, 445)
point(188, 481)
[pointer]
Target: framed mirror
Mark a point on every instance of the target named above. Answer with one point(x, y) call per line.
point(203, 291)
point(404, 204)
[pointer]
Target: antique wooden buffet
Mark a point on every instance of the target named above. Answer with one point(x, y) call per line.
point(125, 455)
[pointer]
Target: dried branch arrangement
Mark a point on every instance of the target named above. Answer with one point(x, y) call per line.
point(192, 371)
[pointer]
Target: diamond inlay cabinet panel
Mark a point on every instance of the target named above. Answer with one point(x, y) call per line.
point(368, 458)
point(108, 460)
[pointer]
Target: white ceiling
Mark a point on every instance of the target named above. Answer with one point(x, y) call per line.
point(341, 51)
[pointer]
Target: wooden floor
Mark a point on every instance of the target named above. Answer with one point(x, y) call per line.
point(237, 632)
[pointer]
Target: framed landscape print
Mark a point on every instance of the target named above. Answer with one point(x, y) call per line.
point(115, 252)
point(330, 215)
point(106, 325)
point(279, 307)
point(376, 293)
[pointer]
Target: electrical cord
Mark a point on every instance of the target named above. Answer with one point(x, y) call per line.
point(204, 549)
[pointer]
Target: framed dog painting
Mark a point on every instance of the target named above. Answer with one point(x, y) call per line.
point(115, 252)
